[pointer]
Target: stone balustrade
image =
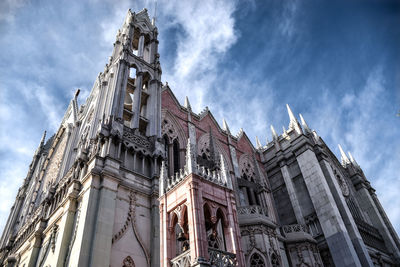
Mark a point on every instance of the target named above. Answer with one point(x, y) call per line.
point(253, 209)
point(205, 173)
point(182, 260)
point(295, 228)
point(221, 258)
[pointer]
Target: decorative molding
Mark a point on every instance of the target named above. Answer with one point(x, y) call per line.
point(131, 218)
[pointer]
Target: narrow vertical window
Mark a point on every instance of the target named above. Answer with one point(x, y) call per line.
point(166, 152)
point(175, 149)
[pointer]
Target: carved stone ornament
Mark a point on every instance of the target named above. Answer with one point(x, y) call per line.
point(168, 129)
point(343, 186)
point(247, 169)
point(140, 141)
point(128, 262)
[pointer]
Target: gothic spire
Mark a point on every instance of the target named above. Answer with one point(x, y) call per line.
point(163, 178)
point(187, 103)
point(190, 158)
point(43, 139)
point(274, 135)
point(304, 124)
point(258, 143)
point(345, 160)
point(293, 124)
point(291, 115)
point(352, 160)
point(225, 126)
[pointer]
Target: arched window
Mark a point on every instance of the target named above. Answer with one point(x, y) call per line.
point(128, 262)
point(166, 152)
point(274, 260)
point(215, 229)
point(175, 149)
point(256, 260)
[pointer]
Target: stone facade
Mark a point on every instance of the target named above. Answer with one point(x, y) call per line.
point(133, 178)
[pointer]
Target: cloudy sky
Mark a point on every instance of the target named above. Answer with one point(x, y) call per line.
point(335, 62)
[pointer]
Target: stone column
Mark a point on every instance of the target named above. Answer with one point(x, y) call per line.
point(67, 224)
point(332, 225)
point(155, 232)
point(197, 234)
point(351, 226)
point(163, 232)
point(141, 45)
point(118, 96)
point(101, 249)
point(292, 194)
point(85, 230)
point(137, 100)
point(37, 243)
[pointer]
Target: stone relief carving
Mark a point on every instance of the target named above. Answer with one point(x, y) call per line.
point(128, 262)
point(131, 219)
point(247, 170)
point(140, 141)
point(203, 148)
point(343, 186)
point(167, 128)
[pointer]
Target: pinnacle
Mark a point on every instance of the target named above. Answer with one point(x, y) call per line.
point(274, 135)
point(187, 103)
point(304, 124)
point(343, 156)
point(290, 112)
point(258, 143)
point(225, 126)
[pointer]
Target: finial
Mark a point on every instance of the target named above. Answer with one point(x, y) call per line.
point(163, 178)
point(225, 126)
point(266, 139)
point(187, 103)
point(224, 172)
point(258, 143)
point(291, 115)
point(43, 139)
point(190, 158)
point(294, 124)
point(344, 158)
point(274, 135)
point(153, 21)
point(304, 124)
point(353, 160)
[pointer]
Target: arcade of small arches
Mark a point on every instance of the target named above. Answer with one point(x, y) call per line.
point(215, 225)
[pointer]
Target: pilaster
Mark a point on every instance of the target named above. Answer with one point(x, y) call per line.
point(332, 225)
point(345, 213)
point(292, 194)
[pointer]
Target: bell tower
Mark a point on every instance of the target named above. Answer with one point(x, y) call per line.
point(198, 218)
point(135, 90)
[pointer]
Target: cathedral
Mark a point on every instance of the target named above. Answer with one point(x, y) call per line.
point(134, 178)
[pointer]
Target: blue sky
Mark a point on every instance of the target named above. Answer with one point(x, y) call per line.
point(335, 62)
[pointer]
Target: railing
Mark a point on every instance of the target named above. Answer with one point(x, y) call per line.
point(219, 258)
point(254, 209)
point(212, 176)
point(182, 260)
point(295, 228)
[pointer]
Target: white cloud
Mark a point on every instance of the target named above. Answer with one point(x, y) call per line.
point(361, 123)
point(8, 9)
point(206, 32)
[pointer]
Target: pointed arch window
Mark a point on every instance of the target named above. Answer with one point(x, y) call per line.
point(275, 260)
point(166, 152)
point(256, 260)
point(175, 151)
